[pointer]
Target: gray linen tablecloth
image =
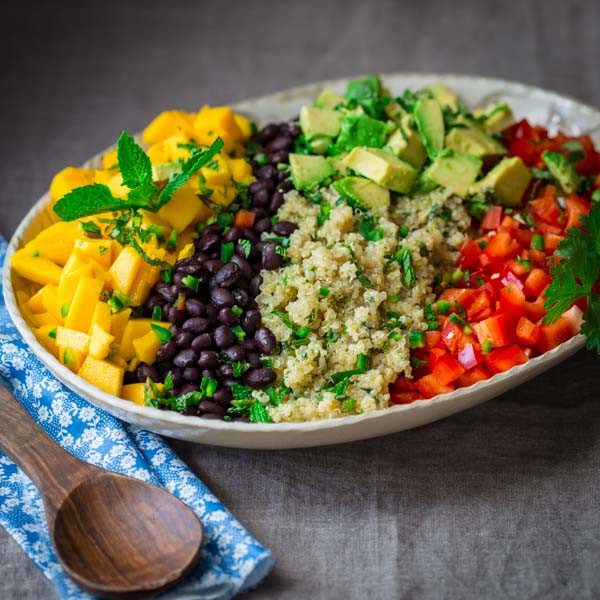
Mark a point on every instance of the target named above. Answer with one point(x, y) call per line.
point(497, 502)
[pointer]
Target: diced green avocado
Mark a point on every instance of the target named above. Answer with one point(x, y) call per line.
point(319, 122)
point(367, 93)
point(361, 131)
point(382, 168)
point(309, 171)
point(165, 170)
point(338, 163)
point(495, 117)
point(329, 99)
point(470, 139)
point(406, 144)
point(394, 111)
point(454, 170)
point(444, 96)
point(320, 144)
point(430, 123)
point(508, 180)
point(362, 192)
point(563, 171)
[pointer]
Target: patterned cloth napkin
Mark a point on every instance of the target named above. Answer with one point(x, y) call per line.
point(232, 560)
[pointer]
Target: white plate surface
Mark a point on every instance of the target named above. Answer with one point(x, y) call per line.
point(542, 107)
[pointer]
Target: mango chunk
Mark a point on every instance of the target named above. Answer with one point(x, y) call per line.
point(186, 252)
point(215, 122)
point(146, 347)
point(216, 172)
point(68, 179)
point(71, 338)
point(118, 322)
point(134, 392)
point(136, 328)
point(147, 276)
point(83, 305)
point(224, 194)
point(35, 302)
point(68, 284)
point(51, 303)
point(167, 124)
point(35, 268)
point(100, 342)
point(99, 250)
point(102, 374)
point(241, 170)
point(109, 159)
point(55, 242)
point(46, 336)
point(71, 358)
point(101, 317)
point(245, 126)
point(184, 208)
point(44, 318)
point(125, 269)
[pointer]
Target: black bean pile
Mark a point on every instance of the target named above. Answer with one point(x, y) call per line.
point(206, 332)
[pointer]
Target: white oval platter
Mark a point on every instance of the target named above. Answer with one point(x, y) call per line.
point(542, 107)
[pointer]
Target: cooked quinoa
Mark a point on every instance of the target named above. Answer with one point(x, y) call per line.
point(342, 296)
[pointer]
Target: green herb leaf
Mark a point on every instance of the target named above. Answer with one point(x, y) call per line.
point(258, 413)
point(134, 164)
point(164, 335)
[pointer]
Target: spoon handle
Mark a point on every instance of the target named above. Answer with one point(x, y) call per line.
point(53, 470)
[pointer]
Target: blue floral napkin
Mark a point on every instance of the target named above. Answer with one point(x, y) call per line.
point(232, 560)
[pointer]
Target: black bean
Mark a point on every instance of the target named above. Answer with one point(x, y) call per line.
point(178, 279)
point(213, 265)
point(267, 172)
point(221, 297)
point(196, 325)
point(250, 321)
point(177, 317)
point(281, 176)
point(267, 133)
point(255, 284)
point(243, 265)
point(252, 304)
point(248, 345)
point(208, 360)
point(146, 371)
point(202, 342)
point(260, 213)
point(223, 397)
point(212, 417)
point(212, 314)
point(227, 275)
point(164, 289)
point(186, 388)
point(228, 317)
point(224, 337)
point(276, 202)
point(154, 300)
point(261, 198)
point(251, 236)
point(185, 358)
point(280, 156)
point(284, 228)
point(259, 377)
point(261, 184)
point(240, 297)
point(281, 142)
point(265, 340)
point(208, 406)
point(270, 258)
point(226, 370)
point(200, 257)
point(210, 373)
point(167, 351)
point(177, 376)
point(209, 243)
point(213, 228)
point(293, 130)
point(195, 307)
point(234, 353)
point(174, 329)
point(262, 225)
point(184, 339)
point(192, 374)
point(132, 377)
point(253, 359)
point(285, 186)
point(227, 382)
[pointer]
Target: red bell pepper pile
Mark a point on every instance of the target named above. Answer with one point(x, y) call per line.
point(491, 319)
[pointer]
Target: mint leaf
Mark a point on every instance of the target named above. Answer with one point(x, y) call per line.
point(197, 160)
point(134, 163)
point(91, 200)
point(258, 413)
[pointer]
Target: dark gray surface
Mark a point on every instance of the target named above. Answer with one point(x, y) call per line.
point(497, 502)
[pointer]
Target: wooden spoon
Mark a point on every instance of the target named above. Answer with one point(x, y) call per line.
point(115, 536)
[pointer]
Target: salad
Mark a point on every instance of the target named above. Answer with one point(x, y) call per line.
point(374, 250)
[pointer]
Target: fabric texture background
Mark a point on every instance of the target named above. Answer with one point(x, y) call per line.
point(497, 502)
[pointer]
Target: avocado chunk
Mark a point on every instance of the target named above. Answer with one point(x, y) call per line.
point(562, 170)
point(495, 117)
point(366, 92)
point(362, 193)
point(382, 168)
point(454, 170)
point(328, 99)
point(405, 143)
point(508, 180)
point(361, 130)
point(473, 140)
point(320, 144)
point(319, 122)
point(309, 171)
point(444, 96)
point(165, 170)
point(430, 124)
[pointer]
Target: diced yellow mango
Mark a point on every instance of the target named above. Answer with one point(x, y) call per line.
point(176, 147)
point(118, 322)
point(71, 358)
point(216, 122)
point(55, 242)
point(146, 347)
point(134, 392)
point(103, 176)
point(99, 250)
point(35, 268)
point(45, 318)
point(115, 184)
point(109, 159)
point(241, 170)
point(51, 303)
point(136, 328)
point(147, 276)
point(22, 300)
point(158, 154)
point(68, 179)
point(216, 172)
point(100, 342)
point(102, 374)
point(150, 219)
point(183, 208)
point(133, 364)
point(167, 124)
point(245, 126)
point(120, 362)
point(35, 302)
point(224, 195)
point(69, 338)
point(101, 317)
point(186, 252)
point(83, 305)
point(68, 284)
point(125, 269)
point(45, 339)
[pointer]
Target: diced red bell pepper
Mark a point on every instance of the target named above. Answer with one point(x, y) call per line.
point(502, 247)
point(429, 386)
point(508, 224)
point(244, 218)
point(505, 358)
point(555, 334)
point(464, 296)
point(546, 208)
point(576, 206)
point(434, 355)
point(524, 236)
point(481, 307)
point(447, 369)
point(591, 163)
point(454, 337)
point(527, 332)
point(404, 397)
point(536, 282)
point(432, 339)
point(478, 373)
point(492, 218)
point(537, 257)
point(512, 299)
point(546, 228)
point(535, 311)
point(468, 257)
point(518, 268)
point(402, 384)
point(499, 329)
point(551, 241)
